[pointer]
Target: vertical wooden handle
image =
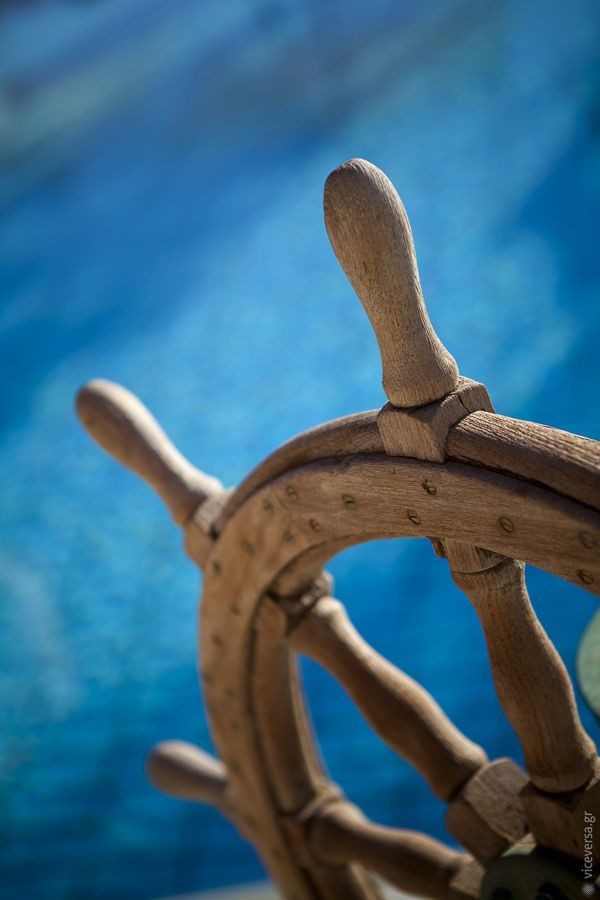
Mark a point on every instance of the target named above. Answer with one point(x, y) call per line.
point(404, 715)
point(531, 680)
point(371, 237)
point(409, 860)
point(188, 773)
point(122, 426)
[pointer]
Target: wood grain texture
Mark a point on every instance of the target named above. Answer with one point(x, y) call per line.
point(273, 531)
point(531, 680)
point(402, 713)
point(122, 426)
point(422, 433)
point(379, 496)
point(487, 816)
point(242, 672)
point(567, 822)
point(410, 861)
point(342, 437)
point(564, 462)
point(371, 237)
point(287, 745)
point(466, 883)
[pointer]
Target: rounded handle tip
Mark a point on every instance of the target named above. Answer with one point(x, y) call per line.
point(187, 772)
point(117, 421)
point(371, 237)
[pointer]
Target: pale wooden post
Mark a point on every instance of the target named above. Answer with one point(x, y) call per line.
point(370, 234)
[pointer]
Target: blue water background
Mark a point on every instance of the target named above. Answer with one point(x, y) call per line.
point(161, 225)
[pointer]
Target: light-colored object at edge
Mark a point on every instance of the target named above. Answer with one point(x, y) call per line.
point(588, 665)
point(437, 462)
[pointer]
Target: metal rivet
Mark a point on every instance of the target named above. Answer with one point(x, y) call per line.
point(588, 540)
point(314, 525)
point(288, 537)
point(267, 505)
point(506, 523)
point(585, 576)
point(291, 492)
point(248, 548)
point(216, 566)
point(349, 501)
point(414, 517)
point(429, 486)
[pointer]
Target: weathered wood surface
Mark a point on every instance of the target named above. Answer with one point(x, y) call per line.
point(487, 815)
point(370, 496)
point(350, 499)
point(422, 433)
point(436, 463)
point(122, 426)
point(371, 237)
point(567, 822)
point(402, 713)
point(339, 438)
point(566, 463)
point(413, 862)
point(531, 680)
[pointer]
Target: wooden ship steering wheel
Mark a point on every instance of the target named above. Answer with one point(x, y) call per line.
point(491, 493)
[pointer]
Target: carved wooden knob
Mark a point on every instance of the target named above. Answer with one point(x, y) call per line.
point(188, 773)
point(371, 237)
point(122, 426)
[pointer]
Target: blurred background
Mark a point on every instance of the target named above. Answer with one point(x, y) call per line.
point(161, 172)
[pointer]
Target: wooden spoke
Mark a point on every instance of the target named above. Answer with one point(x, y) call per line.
point(371, 237)
point(188, 773)
point(409, 860)
point(403, 714)
point(566, 463)
point(531, 680)
point(122, 426)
